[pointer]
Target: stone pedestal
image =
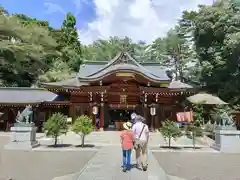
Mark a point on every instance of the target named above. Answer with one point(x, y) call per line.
point(23, 137)
point(227, 141)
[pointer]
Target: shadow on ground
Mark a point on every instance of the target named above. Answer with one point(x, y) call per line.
point(202, 165)
point(40, 165)
point(60, 145)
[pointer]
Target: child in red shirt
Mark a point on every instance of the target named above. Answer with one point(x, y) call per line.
point(127, 138)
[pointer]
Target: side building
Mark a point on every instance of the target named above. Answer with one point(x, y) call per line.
point(108, 91)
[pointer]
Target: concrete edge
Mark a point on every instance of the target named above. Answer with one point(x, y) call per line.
point(86, 165)
point(77, 174)
point(71, 176)
point(170, 177)
point(161, 174)
point(185, 151)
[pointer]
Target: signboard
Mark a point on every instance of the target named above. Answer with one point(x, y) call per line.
point(164, 85)
point(125, 74)
point(123, 99)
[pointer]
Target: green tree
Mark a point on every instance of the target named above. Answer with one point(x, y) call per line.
point(103, 50)
point(55, 126)
point(83, 126)
point(58, 71)
point(216, 35)
point(69, 43)
point(24, 50)
point(173, 52)
point(169, 130)
point(198, 112)
point(193, 130)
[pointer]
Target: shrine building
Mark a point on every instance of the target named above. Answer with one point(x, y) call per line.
point(107, 91)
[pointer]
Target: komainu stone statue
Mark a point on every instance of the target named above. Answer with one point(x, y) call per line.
point(23, 132)
point(26, 116)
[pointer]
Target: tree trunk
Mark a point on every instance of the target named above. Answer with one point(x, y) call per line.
point(83, 138)
point(55, 140)
point(193, 137)
point(169, 142)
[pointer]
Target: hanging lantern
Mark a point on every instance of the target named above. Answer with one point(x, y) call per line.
point(153, 111)
point(95, 110)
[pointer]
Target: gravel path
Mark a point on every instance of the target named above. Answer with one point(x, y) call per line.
point(200, 166)
point(40, 165)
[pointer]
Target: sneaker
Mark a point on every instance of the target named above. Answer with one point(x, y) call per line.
point(124, 169)
point(144, 168)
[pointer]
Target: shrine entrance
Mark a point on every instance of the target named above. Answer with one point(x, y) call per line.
point(119, 116)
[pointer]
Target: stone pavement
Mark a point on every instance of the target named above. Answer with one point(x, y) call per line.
point(106, 165)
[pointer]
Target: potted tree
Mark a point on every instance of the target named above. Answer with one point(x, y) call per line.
point(169, 130)
point(82, 126)
point(55, 126)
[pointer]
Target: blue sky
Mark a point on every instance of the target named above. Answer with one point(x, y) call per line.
point(52, 10)
point(143, 20)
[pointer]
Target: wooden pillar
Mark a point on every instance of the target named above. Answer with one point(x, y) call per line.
point(102, 117)
point(152, 122)
point(156, 118)
point(145, 111)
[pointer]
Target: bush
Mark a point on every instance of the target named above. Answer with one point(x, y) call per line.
point(83, 126)
point(56, 125)
point(193, 130)
point(170, 130)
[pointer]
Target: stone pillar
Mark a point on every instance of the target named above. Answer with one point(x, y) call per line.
point(102, 117)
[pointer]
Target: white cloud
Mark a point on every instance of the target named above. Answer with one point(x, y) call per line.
point(138, 19)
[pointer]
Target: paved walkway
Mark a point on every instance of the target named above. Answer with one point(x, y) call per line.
point(106, 165)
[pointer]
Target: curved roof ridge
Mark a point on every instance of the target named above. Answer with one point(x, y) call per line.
point(108, 64)
point(125, 67)
point(138, 64)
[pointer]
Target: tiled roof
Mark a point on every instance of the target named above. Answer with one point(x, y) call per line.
point(179, 85)
point(73, 82)
point(94, 71)
point(20, 95)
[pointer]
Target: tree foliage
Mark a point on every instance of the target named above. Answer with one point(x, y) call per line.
point(203, 47)
point(216, 34)
point(198, 113)
point(55, 126)
point(69, 43)
point(83, 126)
point(24, 50)
point(170, 130)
